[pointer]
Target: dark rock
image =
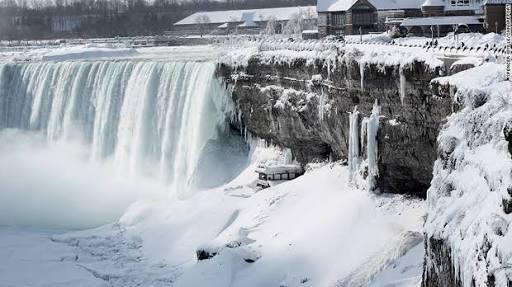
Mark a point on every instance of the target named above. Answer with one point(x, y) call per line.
point(205, 254)
point(407, 150)
point(439, 270)
point(507, 132)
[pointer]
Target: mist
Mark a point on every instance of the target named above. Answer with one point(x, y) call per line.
point(57, 186)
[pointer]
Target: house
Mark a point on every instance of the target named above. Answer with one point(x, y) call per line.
point(443, 16)
point(243, 21)
point(346, 17)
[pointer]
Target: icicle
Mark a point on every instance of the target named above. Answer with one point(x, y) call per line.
point(353, 144)
point(372, 146)
point(403, 85)
point(361, 72)
point(321, 105)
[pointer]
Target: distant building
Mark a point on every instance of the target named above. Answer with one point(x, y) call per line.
point(242, 21)
point(422, 17)
point(443, 16)
point(346, 17)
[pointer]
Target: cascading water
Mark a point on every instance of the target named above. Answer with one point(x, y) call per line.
point(150, 117)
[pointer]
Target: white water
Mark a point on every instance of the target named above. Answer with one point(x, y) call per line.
point(148, 117)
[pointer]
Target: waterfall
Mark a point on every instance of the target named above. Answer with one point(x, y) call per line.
point(150, 117)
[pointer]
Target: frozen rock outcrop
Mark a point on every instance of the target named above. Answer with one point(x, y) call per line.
point(468, 235)
point(287, 104)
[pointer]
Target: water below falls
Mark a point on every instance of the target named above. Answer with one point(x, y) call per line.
point(147, 116)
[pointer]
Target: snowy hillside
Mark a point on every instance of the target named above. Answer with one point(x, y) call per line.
point(314, 231)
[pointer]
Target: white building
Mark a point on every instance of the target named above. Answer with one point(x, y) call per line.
point(243, 21)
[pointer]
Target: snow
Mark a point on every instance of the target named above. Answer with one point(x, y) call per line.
point(406, 271)
point(88, 52)
point(236, 16)
point(344, 5)
point(30, 258)
point(442, 20)
point(465, 199)
point(335, 239)
point(317, 230)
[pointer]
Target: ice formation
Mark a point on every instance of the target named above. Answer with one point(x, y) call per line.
point(472, 182)
point(372, 127)
point(353, 145)
point(143, 114)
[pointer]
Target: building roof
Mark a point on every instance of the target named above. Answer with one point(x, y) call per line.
point(285, 168)
point(441, 21)
point(248, 16)
point(344, 5)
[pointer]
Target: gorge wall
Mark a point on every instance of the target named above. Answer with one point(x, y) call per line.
point(305, 107)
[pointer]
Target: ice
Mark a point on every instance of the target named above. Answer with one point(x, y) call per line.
point(373, 146)
point(354, 144)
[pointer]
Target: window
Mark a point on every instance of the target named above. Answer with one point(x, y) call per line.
point(460, 3)
point(338, 19)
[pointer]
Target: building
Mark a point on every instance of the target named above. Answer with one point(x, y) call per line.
point(346, 17)
point(378, 14)
point(417, 16)
point(244, 21)
point(443, 16)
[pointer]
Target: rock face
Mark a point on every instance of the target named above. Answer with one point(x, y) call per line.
point(467, 230)
point(306, 108)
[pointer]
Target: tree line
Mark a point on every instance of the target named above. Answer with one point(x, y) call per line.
point(22, 20)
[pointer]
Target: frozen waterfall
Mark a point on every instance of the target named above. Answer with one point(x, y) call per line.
point(150, 117)
point(353, 145)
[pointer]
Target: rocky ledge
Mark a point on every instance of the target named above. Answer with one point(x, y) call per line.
point(305, 106)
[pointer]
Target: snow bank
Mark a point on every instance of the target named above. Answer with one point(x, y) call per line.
point(88, 51)
point(471, 178)
point(313, 231)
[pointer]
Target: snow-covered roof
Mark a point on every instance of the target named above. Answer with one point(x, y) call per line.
point(236, 16)
point(442, 20)
point(433, 3)
point(344, 5)
point(396, 4)
point(285, 168)
point(223, 26)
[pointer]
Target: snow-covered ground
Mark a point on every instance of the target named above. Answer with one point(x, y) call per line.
point(30, 258)
point(313, 231)
point(316, 230)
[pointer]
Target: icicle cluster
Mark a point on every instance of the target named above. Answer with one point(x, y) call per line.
point(360, 133)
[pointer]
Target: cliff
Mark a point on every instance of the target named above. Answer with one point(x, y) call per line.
point(304, 105)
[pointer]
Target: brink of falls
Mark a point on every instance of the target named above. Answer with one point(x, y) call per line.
point(150, 117)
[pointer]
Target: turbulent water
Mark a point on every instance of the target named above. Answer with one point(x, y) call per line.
point(149, 117)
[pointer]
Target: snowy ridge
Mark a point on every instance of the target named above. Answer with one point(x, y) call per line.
point(472, 181)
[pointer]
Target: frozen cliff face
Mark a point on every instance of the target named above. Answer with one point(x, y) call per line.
point(468, 236)
point(304, 105)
